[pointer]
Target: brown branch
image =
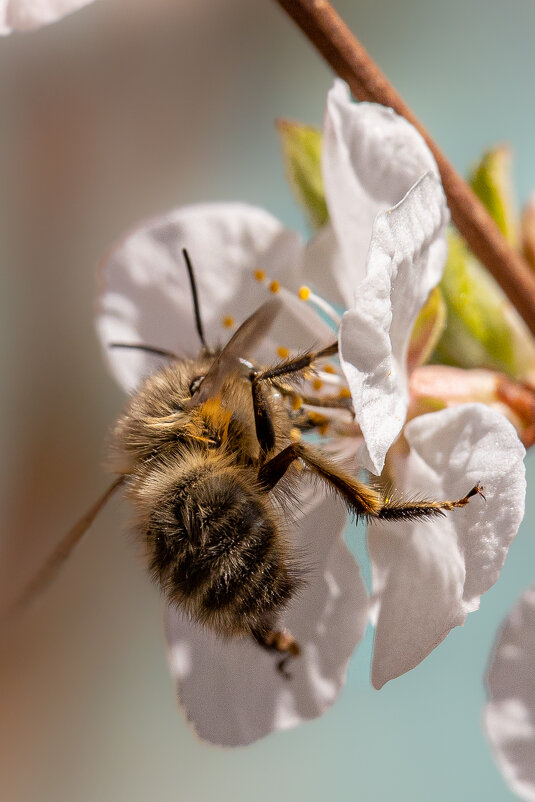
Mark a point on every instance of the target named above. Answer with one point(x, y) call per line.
point(348, 58)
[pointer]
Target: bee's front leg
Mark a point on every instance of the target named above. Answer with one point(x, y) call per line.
point(265, 431)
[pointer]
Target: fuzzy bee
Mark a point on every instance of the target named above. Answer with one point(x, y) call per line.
point(209, 452)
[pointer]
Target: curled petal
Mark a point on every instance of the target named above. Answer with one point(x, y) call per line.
point(371, 158)
point(510, 709)
point(23, 15)
point(240, 254)
point(231, 691)
point(427, 576)
point(405, 262)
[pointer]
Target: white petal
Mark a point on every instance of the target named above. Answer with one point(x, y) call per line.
point(371, 158)
point(146, 297)
point(510, 710)
point(429, 575)
point(405, 262)
point(326, 270)
point(231, 690)
point(23, 15)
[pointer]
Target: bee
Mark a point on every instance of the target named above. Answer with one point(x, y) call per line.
point(208, 455)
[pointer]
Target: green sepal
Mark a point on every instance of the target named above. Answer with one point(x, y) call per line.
point(301, 151)
point(492, 183)
point(428, 328)
point(483, 328)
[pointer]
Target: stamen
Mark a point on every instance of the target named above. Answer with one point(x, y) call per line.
point(331, 378)
point(306, 294)
point(317, 418)
point(345, 392)
point(297, 402)
point(228, 322)
point(317, 384)
point(283, 352)
point(329, 369)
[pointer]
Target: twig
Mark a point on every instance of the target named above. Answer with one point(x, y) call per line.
point(348, 58)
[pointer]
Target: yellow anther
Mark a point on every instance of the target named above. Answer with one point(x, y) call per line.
point(228, 322)
point(323, 429)
point(345, 393)
point(283, 352)
point(274, 287)
point(329, 369)
point(295, 434)
point(304, 293)
point(317, 384)
point(259, 275)
point(317, 418)
point(297, 402)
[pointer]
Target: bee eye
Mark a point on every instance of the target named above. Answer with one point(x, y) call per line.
point(195, 384)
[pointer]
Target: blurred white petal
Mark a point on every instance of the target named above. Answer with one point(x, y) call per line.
point(427, 576)
point(24, 15)
point(325, 268)
point(405, 262)
point(231, 690)
point(510, 710)
point(146, 298)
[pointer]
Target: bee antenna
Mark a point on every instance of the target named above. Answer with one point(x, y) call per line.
point(196, 308)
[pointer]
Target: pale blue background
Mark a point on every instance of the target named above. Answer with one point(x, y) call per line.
point(109, 117)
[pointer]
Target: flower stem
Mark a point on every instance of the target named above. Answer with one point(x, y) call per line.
point(348, 58)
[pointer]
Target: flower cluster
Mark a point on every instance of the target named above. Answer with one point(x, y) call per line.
point(377, 261)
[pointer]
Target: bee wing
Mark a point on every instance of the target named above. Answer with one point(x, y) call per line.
point(249, 334)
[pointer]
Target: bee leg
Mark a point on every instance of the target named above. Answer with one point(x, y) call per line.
point(264, 426)
point(265, 432)
point(398, 509)
point(296, 364)
point(324, 401)
point(63, 550)
point(360, 498)
point(278, 640)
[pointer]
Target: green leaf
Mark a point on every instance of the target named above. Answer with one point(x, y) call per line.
point(301, 150)
point(483, 328)
point(491, 181)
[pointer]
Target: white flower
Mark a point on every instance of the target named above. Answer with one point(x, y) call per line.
point(24, 15)
point(380, 257)
point(510, 710)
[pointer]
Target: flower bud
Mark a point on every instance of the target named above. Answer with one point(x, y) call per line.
point(435, 387)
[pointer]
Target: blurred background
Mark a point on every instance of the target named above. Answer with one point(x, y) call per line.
point(121, 111)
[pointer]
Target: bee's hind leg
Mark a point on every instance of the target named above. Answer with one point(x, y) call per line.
point(278, 640)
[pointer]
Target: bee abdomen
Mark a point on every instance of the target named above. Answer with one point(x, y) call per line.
point(217, 551)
